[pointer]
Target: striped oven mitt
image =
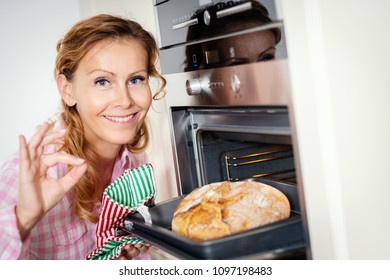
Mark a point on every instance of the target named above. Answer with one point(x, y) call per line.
point(133, 191)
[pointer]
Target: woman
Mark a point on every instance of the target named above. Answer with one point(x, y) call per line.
point(51, 191)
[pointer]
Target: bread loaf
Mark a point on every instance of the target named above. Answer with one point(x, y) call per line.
point(220, 209)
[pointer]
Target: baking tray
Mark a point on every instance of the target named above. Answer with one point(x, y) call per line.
point(277, 238)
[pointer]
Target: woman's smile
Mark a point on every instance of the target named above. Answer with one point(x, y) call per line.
point(121, 119)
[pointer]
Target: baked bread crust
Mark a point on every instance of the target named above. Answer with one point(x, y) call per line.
point(220, 209)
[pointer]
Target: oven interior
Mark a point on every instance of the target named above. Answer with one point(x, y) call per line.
point(232, 144)
point(239, 159)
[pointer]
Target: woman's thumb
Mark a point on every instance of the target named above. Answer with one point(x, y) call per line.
point(74, 175)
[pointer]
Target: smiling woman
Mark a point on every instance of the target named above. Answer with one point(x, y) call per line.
point(102, 71)
point(111, 93)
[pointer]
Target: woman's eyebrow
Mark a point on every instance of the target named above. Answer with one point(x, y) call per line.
point(267, 50)
point(113, 74)
point(100, 70)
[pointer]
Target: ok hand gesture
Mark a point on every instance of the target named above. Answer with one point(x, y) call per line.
point(38, 192)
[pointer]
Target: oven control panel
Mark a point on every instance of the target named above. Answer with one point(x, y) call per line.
point(256, 83)
point(203, 86)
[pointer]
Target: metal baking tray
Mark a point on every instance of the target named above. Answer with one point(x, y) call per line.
point(282, 239)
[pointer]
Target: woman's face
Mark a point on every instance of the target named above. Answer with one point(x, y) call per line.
point(245, 48)
point(112, 92)
point(254, 47)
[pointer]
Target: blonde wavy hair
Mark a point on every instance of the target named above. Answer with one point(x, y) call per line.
point(71, 49)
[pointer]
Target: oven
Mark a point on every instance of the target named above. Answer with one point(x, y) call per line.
point(227, 96)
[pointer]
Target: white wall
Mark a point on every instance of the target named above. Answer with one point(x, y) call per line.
point(339, 62)
point(29, 31)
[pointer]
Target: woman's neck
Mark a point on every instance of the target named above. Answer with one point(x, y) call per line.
point(105, 172)
point(105, 163)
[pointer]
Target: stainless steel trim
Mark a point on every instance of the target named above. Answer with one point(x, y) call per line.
point(185, 24)
point(234, 10)
point(276, 24)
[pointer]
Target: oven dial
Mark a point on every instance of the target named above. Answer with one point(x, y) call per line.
point(193, 87)
point(206, 17)
point(197, 86)
point(235, 83)
point(202, 86)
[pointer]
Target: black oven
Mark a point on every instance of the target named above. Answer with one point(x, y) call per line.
point(228, 101)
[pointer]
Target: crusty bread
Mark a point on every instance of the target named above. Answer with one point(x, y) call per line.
point(220, 209)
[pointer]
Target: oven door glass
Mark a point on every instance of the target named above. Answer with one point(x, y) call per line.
point(231, 144)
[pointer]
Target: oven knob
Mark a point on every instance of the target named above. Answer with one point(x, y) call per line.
point(206, 17)
point(194, 86)
point(236, 83)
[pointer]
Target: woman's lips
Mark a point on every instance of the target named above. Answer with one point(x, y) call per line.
point(121, 119)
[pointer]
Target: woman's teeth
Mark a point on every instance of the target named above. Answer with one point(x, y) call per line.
point(119, 119)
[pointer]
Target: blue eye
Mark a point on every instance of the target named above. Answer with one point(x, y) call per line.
point(102, 82)
point(137, 80)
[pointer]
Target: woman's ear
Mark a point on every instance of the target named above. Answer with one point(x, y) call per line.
point(64, 88)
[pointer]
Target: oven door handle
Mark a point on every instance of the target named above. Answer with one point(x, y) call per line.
point(234, 10)
point(185, 24)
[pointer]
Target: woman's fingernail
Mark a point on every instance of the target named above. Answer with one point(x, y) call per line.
point(80, 160)
point(63, 130)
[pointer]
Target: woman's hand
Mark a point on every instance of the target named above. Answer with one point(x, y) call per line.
point(130, 251)
point(38, 193)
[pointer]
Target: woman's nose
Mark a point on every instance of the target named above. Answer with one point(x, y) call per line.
point(123, 97)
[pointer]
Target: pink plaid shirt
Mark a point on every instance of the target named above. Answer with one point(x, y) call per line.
point(60, 234)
